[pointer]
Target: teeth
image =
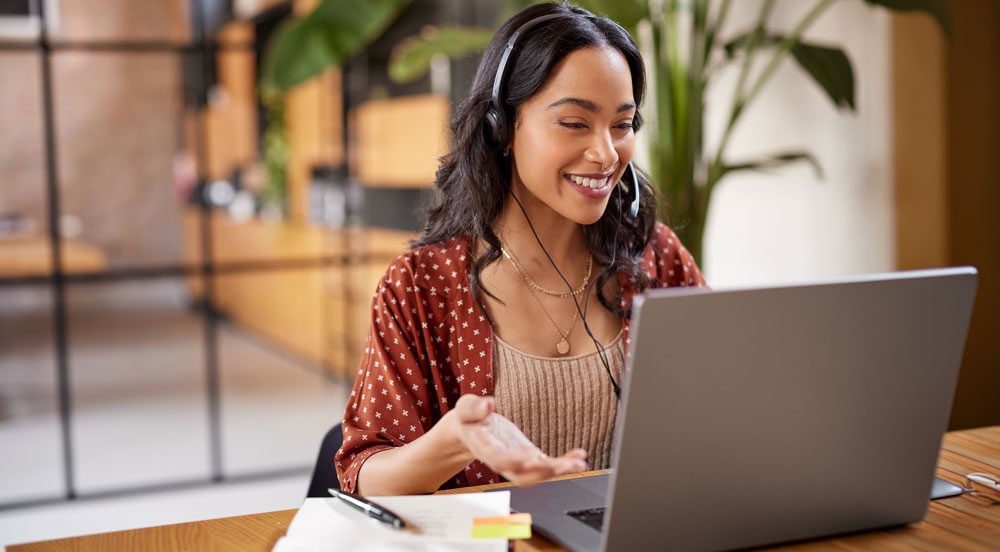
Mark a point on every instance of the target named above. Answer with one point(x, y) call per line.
point(589, 182)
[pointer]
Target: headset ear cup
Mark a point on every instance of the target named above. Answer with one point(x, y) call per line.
point(495, 123)
point(495, 114)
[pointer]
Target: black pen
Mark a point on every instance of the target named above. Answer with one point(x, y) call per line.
point(369, 508)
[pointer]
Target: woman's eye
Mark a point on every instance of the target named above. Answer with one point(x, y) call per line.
point(570, 124)
point(627, 125)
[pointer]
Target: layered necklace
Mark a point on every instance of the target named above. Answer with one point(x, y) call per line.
point(562, 347)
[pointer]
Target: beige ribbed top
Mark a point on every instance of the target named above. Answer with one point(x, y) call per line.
point(560, 403)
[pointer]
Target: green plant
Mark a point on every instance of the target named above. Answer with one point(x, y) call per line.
point(329, 35)
point(302, 48)
point(686, 174)
point(275, 150)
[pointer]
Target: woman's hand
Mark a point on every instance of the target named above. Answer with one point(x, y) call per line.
point(499, 443)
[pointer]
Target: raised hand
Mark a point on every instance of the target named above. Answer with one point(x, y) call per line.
point(499, 443)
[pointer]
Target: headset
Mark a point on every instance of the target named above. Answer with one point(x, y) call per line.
point(499, 123)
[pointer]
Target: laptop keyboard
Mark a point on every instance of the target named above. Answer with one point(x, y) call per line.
point(593, 517)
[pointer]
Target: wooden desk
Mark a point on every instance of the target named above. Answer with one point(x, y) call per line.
point(957, 523)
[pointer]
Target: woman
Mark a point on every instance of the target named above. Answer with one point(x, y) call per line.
point(504, 326)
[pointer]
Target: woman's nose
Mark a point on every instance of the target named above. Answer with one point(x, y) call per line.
point(602, 152)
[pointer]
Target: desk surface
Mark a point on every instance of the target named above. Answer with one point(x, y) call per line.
point(957, 523)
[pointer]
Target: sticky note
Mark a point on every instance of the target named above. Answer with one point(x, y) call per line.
point(517, 531)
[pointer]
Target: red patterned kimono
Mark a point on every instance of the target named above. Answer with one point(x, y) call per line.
point(430, 343)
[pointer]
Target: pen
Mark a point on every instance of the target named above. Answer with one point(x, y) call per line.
point(369, 508)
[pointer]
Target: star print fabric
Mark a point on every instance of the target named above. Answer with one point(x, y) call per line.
point(429, 343)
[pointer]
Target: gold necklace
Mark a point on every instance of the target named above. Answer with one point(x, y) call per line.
point(561, 294)
point(563, 346)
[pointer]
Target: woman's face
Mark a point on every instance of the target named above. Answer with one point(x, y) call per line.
point(574, 137)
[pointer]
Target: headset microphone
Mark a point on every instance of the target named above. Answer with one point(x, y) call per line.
point(633, 208)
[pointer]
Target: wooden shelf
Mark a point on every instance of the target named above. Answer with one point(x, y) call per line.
point(32, 256)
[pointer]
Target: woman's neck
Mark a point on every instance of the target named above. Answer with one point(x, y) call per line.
point(563, 240)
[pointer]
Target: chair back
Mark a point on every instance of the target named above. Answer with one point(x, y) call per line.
point(324, 475)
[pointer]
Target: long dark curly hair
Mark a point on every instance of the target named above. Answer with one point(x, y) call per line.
point(474, 179)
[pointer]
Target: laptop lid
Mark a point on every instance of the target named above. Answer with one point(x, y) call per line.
point(765, 415)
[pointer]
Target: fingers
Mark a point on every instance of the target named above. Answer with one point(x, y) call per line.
point(571, 464)
point(528, 477)
point(578, 453)
point(537, 469)
point(574, 461)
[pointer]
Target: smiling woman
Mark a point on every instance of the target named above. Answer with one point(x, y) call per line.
point(497, 341)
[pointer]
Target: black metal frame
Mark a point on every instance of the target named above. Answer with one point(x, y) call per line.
point(205, 49)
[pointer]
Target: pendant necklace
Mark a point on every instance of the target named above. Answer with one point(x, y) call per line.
point(562, 347)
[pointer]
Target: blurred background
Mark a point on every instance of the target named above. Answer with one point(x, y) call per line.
point(186, 259)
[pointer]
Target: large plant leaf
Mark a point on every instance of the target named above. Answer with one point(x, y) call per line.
point(329, 35)
point(774, 161)
point(296, 52)
point(938, 9)
point(829, 67)
point(411, 58)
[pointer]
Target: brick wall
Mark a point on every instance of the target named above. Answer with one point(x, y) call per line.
point(22, 176)
point(118, 126)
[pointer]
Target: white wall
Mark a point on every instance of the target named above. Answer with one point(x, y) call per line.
point(789, 225)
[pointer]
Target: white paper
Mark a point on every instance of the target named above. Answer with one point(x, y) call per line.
point(434, 523)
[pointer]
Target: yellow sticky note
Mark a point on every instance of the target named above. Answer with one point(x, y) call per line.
point(517, 531)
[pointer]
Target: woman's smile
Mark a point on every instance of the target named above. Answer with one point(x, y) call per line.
point(596, 186)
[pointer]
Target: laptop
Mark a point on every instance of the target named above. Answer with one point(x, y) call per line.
point(765, 415)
